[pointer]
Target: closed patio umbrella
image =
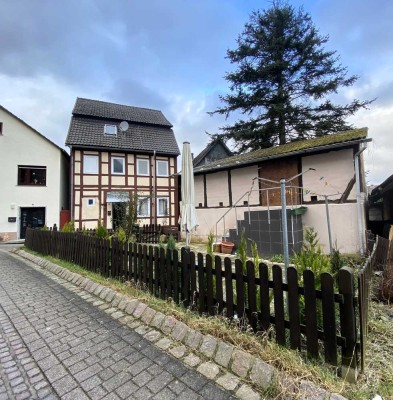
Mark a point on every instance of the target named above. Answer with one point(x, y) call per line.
point(188, 220)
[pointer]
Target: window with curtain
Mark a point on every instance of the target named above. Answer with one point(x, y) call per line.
point(162, 206)
point(143, 207)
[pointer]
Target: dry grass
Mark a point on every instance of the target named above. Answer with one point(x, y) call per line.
point(378, 377)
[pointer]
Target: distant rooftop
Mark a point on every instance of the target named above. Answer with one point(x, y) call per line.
point(103, 109)
point(203, 154)
point(322, 142)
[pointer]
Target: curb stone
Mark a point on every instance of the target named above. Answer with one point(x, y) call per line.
point(187, 343)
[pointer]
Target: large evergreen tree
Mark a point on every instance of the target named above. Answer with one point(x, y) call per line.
point(283, 81)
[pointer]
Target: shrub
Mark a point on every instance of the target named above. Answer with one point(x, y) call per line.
point(69, 226)
point(171, 243)
point(101, 231)
point(210, 243)
point(311, 257)
point(336, 261)
point(121, 235)
point(242, 250)
point(255, 255)
point(44, 228)
point(277, 258)
point(161, 241)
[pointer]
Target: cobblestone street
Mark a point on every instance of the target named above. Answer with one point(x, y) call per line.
point(54, 344)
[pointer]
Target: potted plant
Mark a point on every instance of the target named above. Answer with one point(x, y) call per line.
point(227, 247)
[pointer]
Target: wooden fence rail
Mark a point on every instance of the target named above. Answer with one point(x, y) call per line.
point(321, 320)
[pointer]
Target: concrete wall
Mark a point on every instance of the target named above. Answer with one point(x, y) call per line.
point(207, 218)
point(21, 145)
point(343, 221)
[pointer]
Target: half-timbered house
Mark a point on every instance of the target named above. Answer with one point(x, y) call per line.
point(117, 150)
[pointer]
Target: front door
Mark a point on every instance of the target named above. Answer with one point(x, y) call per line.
point(31, 217)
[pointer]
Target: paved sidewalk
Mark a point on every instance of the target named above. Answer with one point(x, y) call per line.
point(54, 344)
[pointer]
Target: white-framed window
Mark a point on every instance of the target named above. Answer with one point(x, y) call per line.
point(142, 167)
point(118, 165)
point(91, 202)
point(162, 168)
point(90, 164)
point(162, 206)
point(143, 207)
point(110, 129)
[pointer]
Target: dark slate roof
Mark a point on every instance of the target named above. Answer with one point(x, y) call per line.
point(380, 190)
point(297, 147)
point(87, 130)
point(120, 112)
point(207, 150)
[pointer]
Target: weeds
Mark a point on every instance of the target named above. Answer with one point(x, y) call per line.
point(210, 243)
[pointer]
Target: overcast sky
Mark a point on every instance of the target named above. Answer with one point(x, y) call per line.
point(170, 55)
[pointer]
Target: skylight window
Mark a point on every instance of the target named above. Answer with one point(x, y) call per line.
point(110, 129)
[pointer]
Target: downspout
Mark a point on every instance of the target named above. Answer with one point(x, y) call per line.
point(358, 200)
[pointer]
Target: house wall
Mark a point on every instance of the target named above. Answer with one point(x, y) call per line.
point(334, 170)
point(208, 217)
point(343, 225)
point(217, 189)
point(199, 191)
point(21, 145)
point(242, 179)
point(97, 186)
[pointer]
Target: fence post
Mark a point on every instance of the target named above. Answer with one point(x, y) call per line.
point(348, 324)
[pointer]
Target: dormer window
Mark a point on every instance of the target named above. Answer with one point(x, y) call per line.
point(110, 129)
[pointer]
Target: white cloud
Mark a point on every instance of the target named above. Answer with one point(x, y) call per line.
point(378, 155)
point(45, 104)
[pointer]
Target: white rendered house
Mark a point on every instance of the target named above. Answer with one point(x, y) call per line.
point(34, 175)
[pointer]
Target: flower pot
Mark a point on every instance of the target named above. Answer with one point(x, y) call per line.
point(217, 247)
point(227, 247)
point(298, 211)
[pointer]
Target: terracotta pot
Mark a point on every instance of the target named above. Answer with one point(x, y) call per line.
point(217, 247)
point(227, 247)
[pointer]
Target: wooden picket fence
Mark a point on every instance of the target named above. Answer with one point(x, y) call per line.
point(380, 257)
point(323, 321)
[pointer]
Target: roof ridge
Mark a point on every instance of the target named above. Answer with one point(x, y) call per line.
point(288, 148)
point(118, 104)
